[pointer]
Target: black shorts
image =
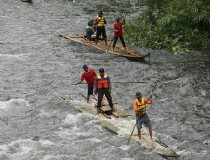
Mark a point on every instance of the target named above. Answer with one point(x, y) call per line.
point(90, 90)
point(99, 31)
point(143, 120)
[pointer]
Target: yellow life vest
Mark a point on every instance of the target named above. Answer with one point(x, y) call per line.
point(101, 21)
point(103, 82)
point(90, 28)
point(141, 106)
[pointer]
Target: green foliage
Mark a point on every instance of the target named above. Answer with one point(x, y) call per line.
point(176, 25)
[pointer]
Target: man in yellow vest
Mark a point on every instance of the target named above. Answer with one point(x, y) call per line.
point(103, 87)
point(100, 22)
point(141, 115)
point(90, 31)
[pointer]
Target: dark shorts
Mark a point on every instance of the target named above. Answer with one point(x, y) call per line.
point(122, 40)
point(90, 90)
point(143, 120)
point(99, 31)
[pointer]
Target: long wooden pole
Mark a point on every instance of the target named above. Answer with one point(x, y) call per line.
point(118, 82)
point(139, 118)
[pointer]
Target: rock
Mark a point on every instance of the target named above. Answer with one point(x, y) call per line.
point(35, 138)
point(28, 1)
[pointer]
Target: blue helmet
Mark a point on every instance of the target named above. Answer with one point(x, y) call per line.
point(90, 23)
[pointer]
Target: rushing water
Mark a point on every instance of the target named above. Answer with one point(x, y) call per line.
point(35, 64)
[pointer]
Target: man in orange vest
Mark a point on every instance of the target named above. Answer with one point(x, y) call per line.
point(103, 87)
point(141, 115)
point(100, 22)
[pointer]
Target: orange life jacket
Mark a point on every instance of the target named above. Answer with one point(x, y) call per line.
point(103, 82)
point(141, 106)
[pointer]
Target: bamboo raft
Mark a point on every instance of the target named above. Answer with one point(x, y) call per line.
point(120, 122)
point(119, 50)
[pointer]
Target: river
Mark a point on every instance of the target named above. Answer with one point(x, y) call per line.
point(36, 64)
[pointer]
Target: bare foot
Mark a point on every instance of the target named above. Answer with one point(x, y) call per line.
point(152, 144)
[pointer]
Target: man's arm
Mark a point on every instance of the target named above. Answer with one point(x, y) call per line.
point(81, 80)
point(110, 87)
point(95, 21)
point(94, 73)
point(105, 21)
point(116, 27)
point(78, 82)
point(149, 101)
point(95, 86)
point(135, 107)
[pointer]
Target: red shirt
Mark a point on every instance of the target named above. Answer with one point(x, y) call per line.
point(118, 27)
point(89, 77)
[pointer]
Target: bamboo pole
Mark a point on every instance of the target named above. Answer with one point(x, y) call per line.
point(119, 82)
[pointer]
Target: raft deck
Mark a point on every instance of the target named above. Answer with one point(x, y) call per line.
point(119, 49)
point(120, 122)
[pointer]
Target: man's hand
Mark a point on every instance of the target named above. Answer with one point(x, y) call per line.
point(151, 95)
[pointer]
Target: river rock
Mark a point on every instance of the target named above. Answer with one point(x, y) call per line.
point(28, 1)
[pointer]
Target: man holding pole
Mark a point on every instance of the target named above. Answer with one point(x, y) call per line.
point(118, 32)
point(141, 115)
point(89, 75)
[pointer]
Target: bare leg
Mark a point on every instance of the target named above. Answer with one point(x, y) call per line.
point(125, 50)
point(88, 97)
point(139, 134)
point(105, 41)
point(123, 43)
point(114, 42)
point(150, 132)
